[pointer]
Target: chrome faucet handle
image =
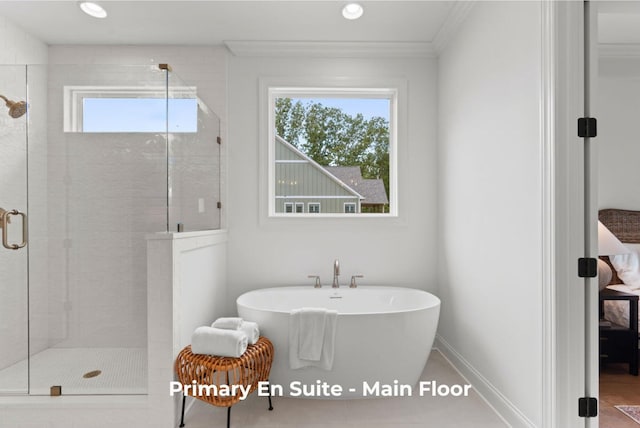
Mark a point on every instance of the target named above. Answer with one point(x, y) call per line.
point(353, 280)
point(317, 277)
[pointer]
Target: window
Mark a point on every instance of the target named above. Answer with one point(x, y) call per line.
point(349, 208)
point(337, 145)
point(117, 109)
point(294, 207)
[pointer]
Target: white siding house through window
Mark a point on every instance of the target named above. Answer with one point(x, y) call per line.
point(300, 181)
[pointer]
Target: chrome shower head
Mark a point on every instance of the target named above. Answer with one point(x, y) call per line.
point(16, 108)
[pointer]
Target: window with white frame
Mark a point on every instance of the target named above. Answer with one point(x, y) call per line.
point(335, 144)
point(112, 109)
point(349, 208)
point(299, 207)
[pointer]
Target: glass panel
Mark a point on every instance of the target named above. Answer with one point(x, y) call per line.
point(77, 317)
point(13, 263)
point(40, 292)
point(102, 192)
point(194, 164)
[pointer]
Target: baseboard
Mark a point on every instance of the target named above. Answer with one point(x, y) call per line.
point(505, 409)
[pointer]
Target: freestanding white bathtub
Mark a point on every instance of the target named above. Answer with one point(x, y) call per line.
point(383, 336)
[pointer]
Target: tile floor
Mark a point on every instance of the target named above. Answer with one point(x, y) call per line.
point(123, 371)
point(402, 412)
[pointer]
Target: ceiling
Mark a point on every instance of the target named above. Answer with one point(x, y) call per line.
point(207, 22)
point(213, 22)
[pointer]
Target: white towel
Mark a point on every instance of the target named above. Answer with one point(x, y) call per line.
point(218, 341)
point(230, 323)
point(312, 334)
point(251, 330)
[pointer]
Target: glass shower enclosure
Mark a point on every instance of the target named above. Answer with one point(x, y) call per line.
point(93, 158)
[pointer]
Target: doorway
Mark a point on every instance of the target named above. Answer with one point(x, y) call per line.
point(617, 100)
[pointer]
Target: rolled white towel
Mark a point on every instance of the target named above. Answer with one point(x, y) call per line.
point(251, 330)
point(218, 341)
point(229, 323)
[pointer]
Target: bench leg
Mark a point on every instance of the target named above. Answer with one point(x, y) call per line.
point(228, 416)
point(184, 398)
point(270, 406)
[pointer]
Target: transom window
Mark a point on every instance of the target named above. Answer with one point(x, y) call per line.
point(129, 109)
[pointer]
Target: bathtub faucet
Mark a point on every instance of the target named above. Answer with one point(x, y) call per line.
point(336, 274)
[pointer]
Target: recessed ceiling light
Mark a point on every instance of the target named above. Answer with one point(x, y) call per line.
point(93, 9)
point(352, 11)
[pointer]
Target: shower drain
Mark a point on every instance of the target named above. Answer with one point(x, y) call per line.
point(91, 374)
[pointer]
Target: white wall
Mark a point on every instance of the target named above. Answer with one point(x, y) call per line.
point(490, 205)
point(187, 283)
point(274, 252)
point(617, 143)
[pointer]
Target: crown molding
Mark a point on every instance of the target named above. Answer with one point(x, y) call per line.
point(254, 48)
point(619, 50)
point(456, 17)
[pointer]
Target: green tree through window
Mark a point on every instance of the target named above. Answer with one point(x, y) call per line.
point(333, 137)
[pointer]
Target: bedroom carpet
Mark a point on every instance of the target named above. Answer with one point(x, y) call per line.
point(632, 411)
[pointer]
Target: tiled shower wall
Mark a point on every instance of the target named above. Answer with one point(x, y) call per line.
point(19, 47)
point(108, 191)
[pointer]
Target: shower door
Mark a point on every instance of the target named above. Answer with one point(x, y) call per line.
point(13, 251)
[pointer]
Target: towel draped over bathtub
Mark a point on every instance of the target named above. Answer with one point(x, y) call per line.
point(312, 333)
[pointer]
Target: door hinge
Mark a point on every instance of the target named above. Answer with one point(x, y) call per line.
point(219, 140)
point(219, 205)
point(587, 267)
point(587, 407)
point(587, 127)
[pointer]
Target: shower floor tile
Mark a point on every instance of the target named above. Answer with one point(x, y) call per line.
point(122, 371)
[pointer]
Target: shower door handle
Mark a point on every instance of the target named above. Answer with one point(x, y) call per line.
point(4, 223)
